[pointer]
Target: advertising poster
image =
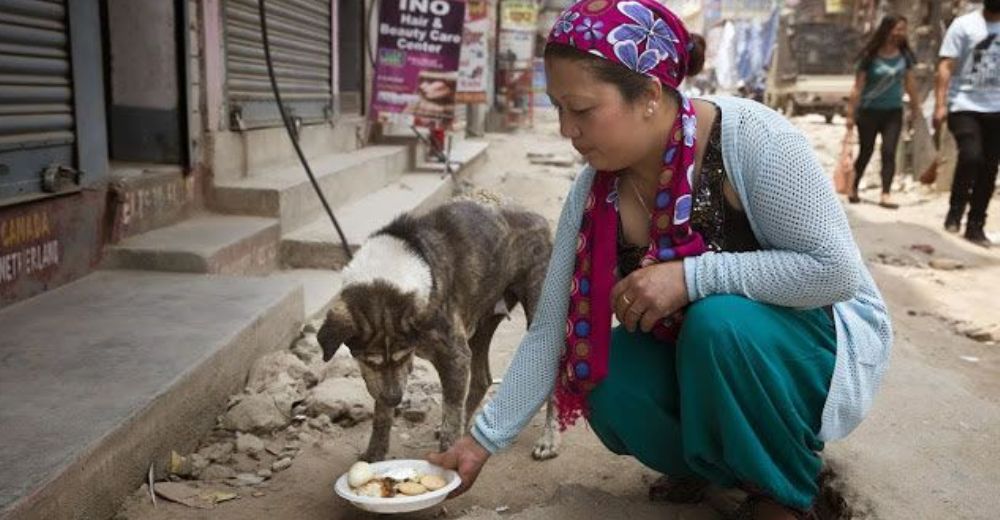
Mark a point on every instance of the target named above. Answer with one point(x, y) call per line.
point(416, 65)
point(473, 63)
point(518, 25)
point(518, 15)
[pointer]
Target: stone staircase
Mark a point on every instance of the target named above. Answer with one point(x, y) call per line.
point(273, 219)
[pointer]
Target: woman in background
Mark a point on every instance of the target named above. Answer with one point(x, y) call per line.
point(884, 69)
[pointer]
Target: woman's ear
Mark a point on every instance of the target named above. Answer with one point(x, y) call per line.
point(652, 98)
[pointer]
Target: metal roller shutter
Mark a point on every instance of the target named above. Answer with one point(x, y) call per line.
point(300, 37)
point(36, 94)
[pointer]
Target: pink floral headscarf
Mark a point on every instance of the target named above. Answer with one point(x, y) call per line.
point(647, 38)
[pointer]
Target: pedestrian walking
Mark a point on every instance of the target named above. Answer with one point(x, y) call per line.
point(968, 97)
point(884, 70)
point(716, 208)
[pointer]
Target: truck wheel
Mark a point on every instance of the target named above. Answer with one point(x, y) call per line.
point(790, 109)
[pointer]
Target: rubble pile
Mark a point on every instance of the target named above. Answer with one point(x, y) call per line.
point(292, 398)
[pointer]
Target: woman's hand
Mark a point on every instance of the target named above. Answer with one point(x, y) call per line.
point(467, 457)
point(649, 295)
point(940, 116)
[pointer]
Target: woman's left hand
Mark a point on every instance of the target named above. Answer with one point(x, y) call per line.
point(649, 295)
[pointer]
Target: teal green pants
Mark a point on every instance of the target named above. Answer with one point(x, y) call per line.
point(738, 399)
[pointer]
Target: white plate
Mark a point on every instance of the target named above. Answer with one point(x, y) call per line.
point(401, 503)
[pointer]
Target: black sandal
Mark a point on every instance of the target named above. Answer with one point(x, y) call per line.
point(678, 490)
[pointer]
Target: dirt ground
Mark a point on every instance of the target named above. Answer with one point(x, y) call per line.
point(929, 448)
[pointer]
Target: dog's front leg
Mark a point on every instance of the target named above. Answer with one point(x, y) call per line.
point(378, 444)
point(547, 446)
point(454, 369)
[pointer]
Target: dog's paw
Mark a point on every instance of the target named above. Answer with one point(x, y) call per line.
point(547, 446)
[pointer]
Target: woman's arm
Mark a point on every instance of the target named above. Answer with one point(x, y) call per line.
point(532, 374)
point(811, 259)
point(852, 103)
point(911, 91)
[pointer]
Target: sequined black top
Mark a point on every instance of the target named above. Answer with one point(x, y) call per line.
point(723, 226)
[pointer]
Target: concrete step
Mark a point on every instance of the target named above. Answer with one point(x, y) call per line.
point(317, 245)
point(219, 244)
point(239, 154)
point(103, 376)
point(287, 194)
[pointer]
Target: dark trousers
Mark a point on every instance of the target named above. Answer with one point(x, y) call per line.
point(872, 122)
point(978, 138)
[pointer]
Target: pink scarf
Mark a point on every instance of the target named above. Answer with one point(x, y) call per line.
point(645, 37)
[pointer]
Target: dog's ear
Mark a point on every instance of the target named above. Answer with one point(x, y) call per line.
point(338, 328)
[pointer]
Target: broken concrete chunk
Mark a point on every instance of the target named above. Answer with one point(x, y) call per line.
point(264, 473)
point(248, 479)
point(357, 413)
point(217, 472)
point(243, 463)
point(322, 422)
point(198, 464)
point(218, 452)
point(248, 443)
point(274, 448)
point(308, 350)
point(268, 369)
point(337, 398)
point(255, 413)
point(281, 465)
point(185, 494)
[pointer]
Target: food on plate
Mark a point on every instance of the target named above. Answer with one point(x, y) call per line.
point(398, 481)
point(411, 488)
point(359, 474)
point(432, 482)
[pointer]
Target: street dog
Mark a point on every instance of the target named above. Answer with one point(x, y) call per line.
point(437, 286)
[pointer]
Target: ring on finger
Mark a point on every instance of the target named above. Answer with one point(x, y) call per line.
point(626, 299)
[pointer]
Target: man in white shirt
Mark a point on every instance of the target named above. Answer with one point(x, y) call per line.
point(968, 96)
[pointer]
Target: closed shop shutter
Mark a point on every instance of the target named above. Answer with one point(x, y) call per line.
point(299, 33)
point(36, 94)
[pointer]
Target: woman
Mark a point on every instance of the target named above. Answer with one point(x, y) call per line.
point(884, 68)
point(718, 207)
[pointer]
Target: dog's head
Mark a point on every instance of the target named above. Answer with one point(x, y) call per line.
point(382, 326)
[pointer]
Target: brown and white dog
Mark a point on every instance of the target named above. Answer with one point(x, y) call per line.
point(437, 286)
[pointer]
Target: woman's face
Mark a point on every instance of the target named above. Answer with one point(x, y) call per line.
point(604, 128)
point(898, 33)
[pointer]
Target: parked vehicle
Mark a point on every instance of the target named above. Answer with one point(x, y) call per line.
point(812, 69)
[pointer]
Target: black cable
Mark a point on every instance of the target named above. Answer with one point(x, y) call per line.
point(291, 132)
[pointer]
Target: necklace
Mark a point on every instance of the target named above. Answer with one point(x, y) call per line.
point(638, 196)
